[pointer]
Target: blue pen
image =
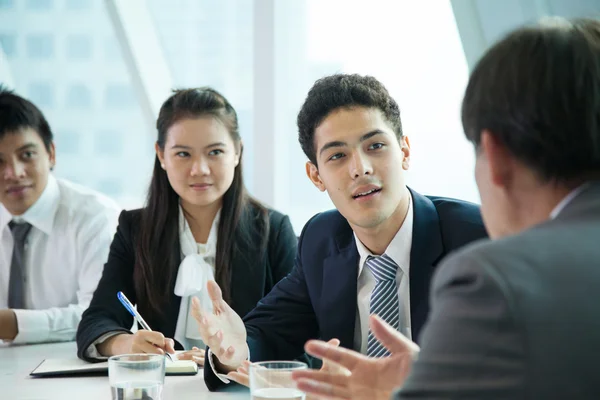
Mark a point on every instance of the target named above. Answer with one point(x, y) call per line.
point(129, 307)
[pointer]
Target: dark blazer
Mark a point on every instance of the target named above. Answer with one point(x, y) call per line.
point(252, 276)
point(318, 299)
point(517, 317)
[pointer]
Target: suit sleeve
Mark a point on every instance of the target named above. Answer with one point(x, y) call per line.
point(282, 249)
point(105, 313)
point(281, 322)
point(470, 347)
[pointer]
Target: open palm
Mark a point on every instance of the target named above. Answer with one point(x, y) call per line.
point(222, 329)
point(369, 378)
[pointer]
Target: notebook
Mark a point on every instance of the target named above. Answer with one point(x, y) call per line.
point(74, 366)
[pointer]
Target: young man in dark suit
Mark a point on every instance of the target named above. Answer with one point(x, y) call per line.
point(375, 253)
point(515, 317)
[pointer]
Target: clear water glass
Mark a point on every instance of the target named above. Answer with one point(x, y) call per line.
point(272, 380)
point(136, 376)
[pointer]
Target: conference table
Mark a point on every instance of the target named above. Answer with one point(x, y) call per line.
point(16, 362)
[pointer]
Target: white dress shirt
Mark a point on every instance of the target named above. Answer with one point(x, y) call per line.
point(65, 251)
point(399, 251)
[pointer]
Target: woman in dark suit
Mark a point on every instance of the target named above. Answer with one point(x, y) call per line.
point(199, 224)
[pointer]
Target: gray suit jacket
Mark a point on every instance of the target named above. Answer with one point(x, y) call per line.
point(519, 317)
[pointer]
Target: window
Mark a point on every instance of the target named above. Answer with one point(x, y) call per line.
point(7, 4)
point(78, 97)
point(79, 47)
point(108, 143)
point(41, 94)
point(118, 96)
point(78, 5)
point(40, 46)
point(8, 42)
point(68, 142)
point(39, 4)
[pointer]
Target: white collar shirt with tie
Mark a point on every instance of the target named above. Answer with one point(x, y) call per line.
point(65, 252)
point(399, 251)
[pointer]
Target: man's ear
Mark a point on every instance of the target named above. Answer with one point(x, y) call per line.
point(498, 158)
point(405, 148)
point(52, 156)
point(313, 174)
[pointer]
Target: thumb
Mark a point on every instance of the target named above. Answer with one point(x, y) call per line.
point(390, 338)
point(170, 346)
point(332, 367)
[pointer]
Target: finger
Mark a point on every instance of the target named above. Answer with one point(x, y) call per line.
point(339, 355)
point(199, 360)
point(245, 367)
point(239, 377)
point(390, 338)
point(320, 390)
point(329, 365)
point(156, 338)
point(203, 318)
point(145, 347)
point(170, 346)
point(216, 295)
point(214, 342)
point(226, 355)
point(187, 355)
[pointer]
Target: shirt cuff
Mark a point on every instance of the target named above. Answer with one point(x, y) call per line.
point(92, 350)
point(33, 326)
point(222, 377)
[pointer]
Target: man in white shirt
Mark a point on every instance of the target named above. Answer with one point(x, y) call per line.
point(374, 254)
point(54, 235)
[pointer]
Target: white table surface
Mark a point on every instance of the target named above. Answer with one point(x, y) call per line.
point(16, 362)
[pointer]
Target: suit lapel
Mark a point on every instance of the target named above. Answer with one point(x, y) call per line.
point(427, 247)
point(339, 291)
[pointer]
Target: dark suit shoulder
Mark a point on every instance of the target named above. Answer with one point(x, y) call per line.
point(460, 221)
point(328, 222)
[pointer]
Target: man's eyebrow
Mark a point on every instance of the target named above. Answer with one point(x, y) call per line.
point(329, 145)
point(338, 143)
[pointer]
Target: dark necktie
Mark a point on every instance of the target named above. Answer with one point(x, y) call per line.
point(16, 283)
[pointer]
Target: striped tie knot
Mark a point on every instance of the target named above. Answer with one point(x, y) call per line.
point(382, 267)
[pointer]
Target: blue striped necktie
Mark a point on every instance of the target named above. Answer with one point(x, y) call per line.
point(384, 299)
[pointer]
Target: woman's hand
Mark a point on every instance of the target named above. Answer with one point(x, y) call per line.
point(195, 354)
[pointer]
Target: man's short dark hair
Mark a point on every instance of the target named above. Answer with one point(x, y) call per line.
point(538, 92)
point(17, 113)
point(343, 91)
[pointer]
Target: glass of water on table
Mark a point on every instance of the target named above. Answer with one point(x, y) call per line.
point(273, 380)
point(136, 376)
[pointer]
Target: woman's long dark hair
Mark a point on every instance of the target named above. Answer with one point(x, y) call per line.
point(157, 246)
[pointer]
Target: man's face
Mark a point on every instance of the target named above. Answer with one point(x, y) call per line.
point(24, 167)
point(360, 164)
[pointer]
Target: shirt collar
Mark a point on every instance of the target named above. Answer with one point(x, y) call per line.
point(41, 213)
point(398, 249)
point(568, 199)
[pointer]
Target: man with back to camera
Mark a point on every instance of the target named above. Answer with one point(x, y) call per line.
point(515, 317)
point(54, 235)
point(374, 254)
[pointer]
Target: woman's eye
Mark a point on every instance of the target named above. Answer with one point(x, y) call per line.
point(215, 152)
point(182, 154)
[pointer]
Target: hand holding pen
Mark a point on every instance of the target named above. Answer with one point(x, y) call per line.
point(147, 341)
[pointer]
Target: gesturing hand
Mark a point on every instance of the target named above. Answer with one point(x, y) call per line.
point(369, 378)
point(222, 330)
